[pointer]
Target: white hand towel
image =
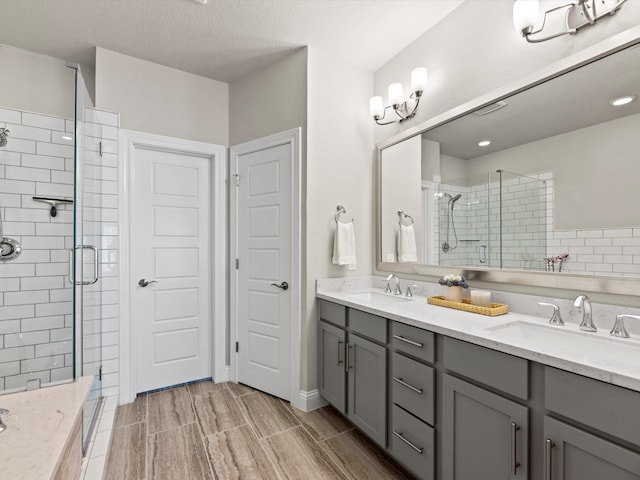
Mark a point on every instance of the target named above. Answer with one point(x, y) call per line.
point(344, 245)
point(407, 251)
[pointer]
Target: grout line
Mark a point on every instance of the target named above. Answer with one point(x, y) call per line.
point(336, 434)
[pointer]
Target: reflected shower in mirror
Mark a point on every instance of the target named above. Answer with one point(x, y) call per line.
point(526, 178)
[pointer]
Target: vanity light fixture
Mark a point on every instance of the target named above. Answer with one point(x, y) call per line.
point(578, 14)
point(396, 99)
point(618, 102)
point(484, 143)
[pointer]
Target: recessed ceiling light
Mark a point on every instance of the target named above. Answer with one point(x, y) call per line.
point(618, 102)
point(484, 143)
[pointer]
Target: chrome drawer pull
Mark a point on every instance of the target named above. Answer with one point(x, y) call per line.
point(401, 437)
point(514, 448)
point(339, 344)
point(548, 445)
point(410, 342)
point(405, 384)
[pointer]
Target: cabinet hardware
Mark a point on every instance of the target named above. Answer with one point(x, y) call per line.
point(548, 445)
point(405, 384)
point(401, 437)
point(348, 358)
point(340, 342)
point(410, 342)
point(514, 449)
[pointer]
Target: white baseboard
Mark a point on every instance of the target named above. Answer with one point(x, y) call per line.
point(308, 401)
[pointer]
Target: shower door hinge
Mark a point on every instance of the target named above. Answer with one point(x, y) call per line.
point(237, 264)
point(100, 148)
point(237, 347)
point(100, 373)
point(236, 176)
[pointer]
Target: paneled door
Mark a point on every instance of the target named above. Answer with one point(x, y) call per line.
point(171, 266)
point(263, 226)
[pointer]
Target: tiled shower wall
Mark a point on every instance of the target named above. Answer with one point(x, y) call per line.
point(36, 321)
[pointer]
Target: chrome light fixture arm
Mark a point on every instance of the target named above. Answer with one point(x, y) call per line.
point(401, 110)
point(586, 9)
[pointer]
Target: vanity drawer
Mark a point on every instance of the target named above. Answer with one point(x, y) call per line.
point(608, 408)
point(413, 341)
point(368, 325)
point(412, 386)
point(412, 443)
point(499, 370)
point(332, 313)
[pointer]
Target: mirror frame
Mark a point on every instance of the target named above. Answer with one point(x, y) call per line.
point(586, 283)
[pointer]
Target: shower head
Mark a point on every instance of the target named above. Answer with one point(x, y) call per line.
point(4, 133)
point(456, 198)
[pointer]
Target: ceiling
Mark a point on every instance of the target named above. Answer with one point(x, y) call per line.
point(572, 101)
point(224, 39)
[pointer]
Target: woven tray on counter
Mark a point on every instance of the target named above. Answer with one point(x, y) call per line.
point(494, 310)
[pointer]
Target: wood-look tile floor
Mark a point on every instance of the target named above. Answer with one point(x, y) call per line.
point(228, 431)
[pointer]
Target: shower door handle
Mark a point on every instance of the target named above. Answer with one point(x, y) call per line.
point(94, 279)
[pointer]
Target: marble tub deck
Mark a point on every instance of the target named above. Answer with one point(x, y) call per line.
point(230, 431)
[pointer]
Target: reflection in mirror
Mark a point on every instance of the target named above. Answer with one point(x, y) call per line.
point(550, 171)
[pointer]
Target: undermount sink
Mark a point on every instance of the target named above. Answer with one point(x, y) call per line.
point(575, 343)
point(379, 297)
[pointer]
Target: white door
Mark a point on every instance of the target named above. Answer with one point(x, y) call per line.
point(171, 244)
point(264, 274)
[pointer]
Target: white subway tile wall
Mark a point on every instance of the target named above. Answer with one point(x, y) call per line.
point(527, 213)
point(35, 294)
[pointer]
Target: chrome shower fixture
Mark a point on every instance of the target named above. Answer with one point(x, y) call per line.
point(4, 133)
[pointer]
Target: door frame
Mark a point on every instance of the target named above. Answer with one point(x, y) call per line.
point(291, 137)
point(129, 141)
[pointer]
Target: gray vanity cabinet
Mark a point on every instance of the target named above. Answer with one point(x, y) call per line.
point(332, 370)
point(367, 393)
point(573, 454)
point(484, 435)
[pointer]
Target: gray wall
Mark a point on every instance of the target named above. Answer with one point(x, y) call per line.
point(153, 98)
point(36, 83)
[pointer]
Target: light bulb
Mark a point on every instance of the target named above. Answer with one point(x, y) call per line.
point(419, 79)
point(395, 94)
point(525, 15)
point(376, 106)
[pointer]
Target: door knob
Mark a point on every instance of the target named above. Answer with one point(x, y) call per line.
point(143, 283)
point(283, 285)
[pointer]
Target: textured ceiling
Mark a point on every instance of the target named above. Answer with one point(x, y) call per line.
point(224, 39)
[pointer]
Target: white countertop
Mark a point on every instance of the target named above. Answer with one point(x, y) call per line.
point(38, 427)
point(603, 363)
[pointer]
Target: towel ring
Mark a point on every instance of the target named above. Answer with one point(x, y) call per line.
point(340, 209)
point(404, 216)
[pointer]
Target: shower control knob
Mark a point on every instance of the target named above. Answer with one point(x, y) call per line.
point(143, 283)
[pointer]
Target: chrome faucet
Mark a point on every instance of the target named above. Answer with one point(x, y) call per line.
point(582, 301)
point(388, 289)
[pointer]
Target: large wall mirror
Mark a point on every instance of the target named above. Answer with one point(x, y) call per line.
point(539, 187)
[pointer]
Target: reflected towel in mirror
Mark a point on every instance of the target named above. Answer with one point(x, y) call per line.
point(344, 245)
point(407, 251)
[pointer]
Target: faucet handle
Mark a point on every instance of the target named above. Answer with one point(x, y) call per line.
point(556, 318)
point(388, 286)
point(409, 293)
point(618, 329)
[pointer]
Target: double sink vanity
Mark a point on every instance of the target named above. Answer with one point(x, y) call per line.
point(456, 395)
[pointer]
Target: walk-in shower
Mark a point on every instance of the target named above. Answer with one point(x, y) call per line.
point(49, 332)
point(449, 221)
point(501, 222)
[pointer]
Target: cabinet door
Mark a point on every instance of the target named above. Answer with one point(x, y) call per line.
point(368, 387)
point(332, 369)
point(572, 454)
point(484, 435)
